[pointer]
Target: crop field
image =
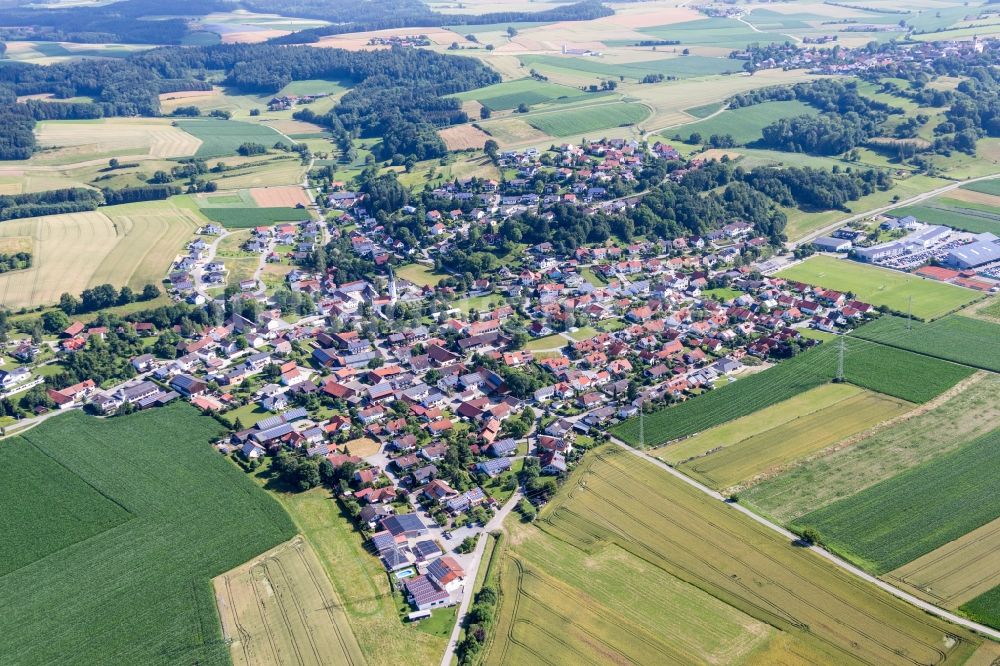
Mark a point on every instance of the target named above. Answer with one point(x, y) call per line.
point(138, 592)
point(880, 286)
point(985, 608)
point(63, 142)
point(278, 170)
point(616, 507)
point(513, 131)
point(966, 218)
point(223, 137)
point(509, 94)
point(745, 124)
point(894, 372)
point(279, 197)
point(768, 451)
point(246, 218)
point(984, 186)
point(964, 413)
point(281, 605)
point(956, 572)
point(719, 32)
point(130, 244)
point(680, 67)
point(908, 515)
point(461, 137)
point(964, 340)
point(571, 122)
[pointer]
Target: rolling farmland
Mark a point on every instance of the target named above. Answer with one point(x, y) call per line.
point(581, 120)
point(72, 141)
point(509, 94)
point(973, 342)
point(880, 286)
point(615, 506)
point(770, 450)
point(950, 423)
point(223, 137)
point(894, 372)
point(745, 124)
point(985, 608)
point(906, 516)
point(282, 604)
point(138, 592)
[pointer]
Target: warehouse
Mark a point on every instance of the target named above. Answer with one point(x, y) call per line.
point(973, 255)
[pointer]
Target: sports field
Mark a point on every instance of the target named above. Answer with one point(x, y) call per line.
point(964, 413)
point(768, 451)
point(882, 369)
point(281, 607)
point(974, 342)
point(245, 218)
point(910, 514)
point(580, 120)
point(131, 244)
point(880, 286)
point(617, 508)
point(137, 592)
point(223, 137)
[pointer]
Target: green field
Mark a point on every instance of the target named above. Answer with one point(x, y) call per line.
point(419, 274)
point(967, 217)
point(630, 565)
point(509, 94)
point(223, 137)
point(139, 592)
point(313, 87)
point(974, 342)
point(245, 218)
point(880, 286)
point(900, 519)
point(984, 609)
point(571, 122)
point(895, 372)
point(680, 67)
point(745, 124)
point(961, 418)
point(721, 32)
point(985, 187)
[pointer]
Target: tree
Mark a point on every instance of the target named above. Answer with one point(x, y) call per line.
point(491, 148)
point(55, 321)
point(484, 112)
point(523, 108)
point(511, 31)
point(69, 303)
point(149, 292)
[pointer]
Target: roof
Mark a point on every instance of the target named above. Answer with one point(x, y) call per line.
point(445, 569)
point(424, 591)
point(407, 522)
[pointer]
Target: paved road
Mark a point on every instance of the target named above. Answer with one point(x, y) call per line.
point(822, 552)
point(881, 209)
point(472, 571)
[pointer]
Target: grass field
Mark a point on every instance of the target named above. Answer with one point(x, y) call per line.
point(964, 340)
point(966, 218)
point(581, 120)
point(131, 244)
point(223, 137)
point(633, 529)
point(137, 593)
point(281, 605)
point(419, 274)
point(549, 342)
point(509, 94)
point(894, 372)
point(984, 186)
point(719, 32)
point(910, 514)
point(679, 67)
point(880, 286)
point(956, 572)
point(944, 426)
point(245, 218)
point(745, 124)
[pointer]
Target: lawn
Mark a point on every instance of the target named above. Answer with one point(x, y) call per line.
point(571, 122)
point(583, 333)
point(745, 124)
point(247, 218)
point(895, 372)
point(139, 592)
point(880, 286)
point(950, 424)
point(641, 568)
point(973, 342)
point(548, 343)
point(419, 274)
point(966, 218)
point(721, 293)
point(223, 137)
point(900, 519)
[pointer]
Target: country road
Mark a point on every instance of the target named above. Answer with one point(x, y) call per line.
point(822, 552)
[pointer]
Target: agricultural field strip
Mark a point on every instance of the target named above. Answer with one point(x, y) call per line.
point(971, 342)
point(842, 564)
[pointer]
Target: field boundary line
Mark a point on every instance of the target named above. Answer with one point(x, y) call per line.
point(822, 552)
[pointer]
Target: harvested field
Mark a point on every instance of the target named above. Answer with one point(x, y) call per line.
point(956, 572)
point(513, 131)
point(461, 137)
point(67, 141)
point(280, 608)
point(617, 507)
point(288, 196)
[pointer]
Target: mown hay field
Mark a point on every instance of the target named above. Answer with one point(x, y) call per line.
point(967, 412)
point(563, 588)
point(769, 451)
point(63, 142)
point(882, 369)
point(973, 342)
point(580, 120)
point(908, 515)
point(880, 286)
point(139, 592)
point(131, 244)
point(281, 606)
